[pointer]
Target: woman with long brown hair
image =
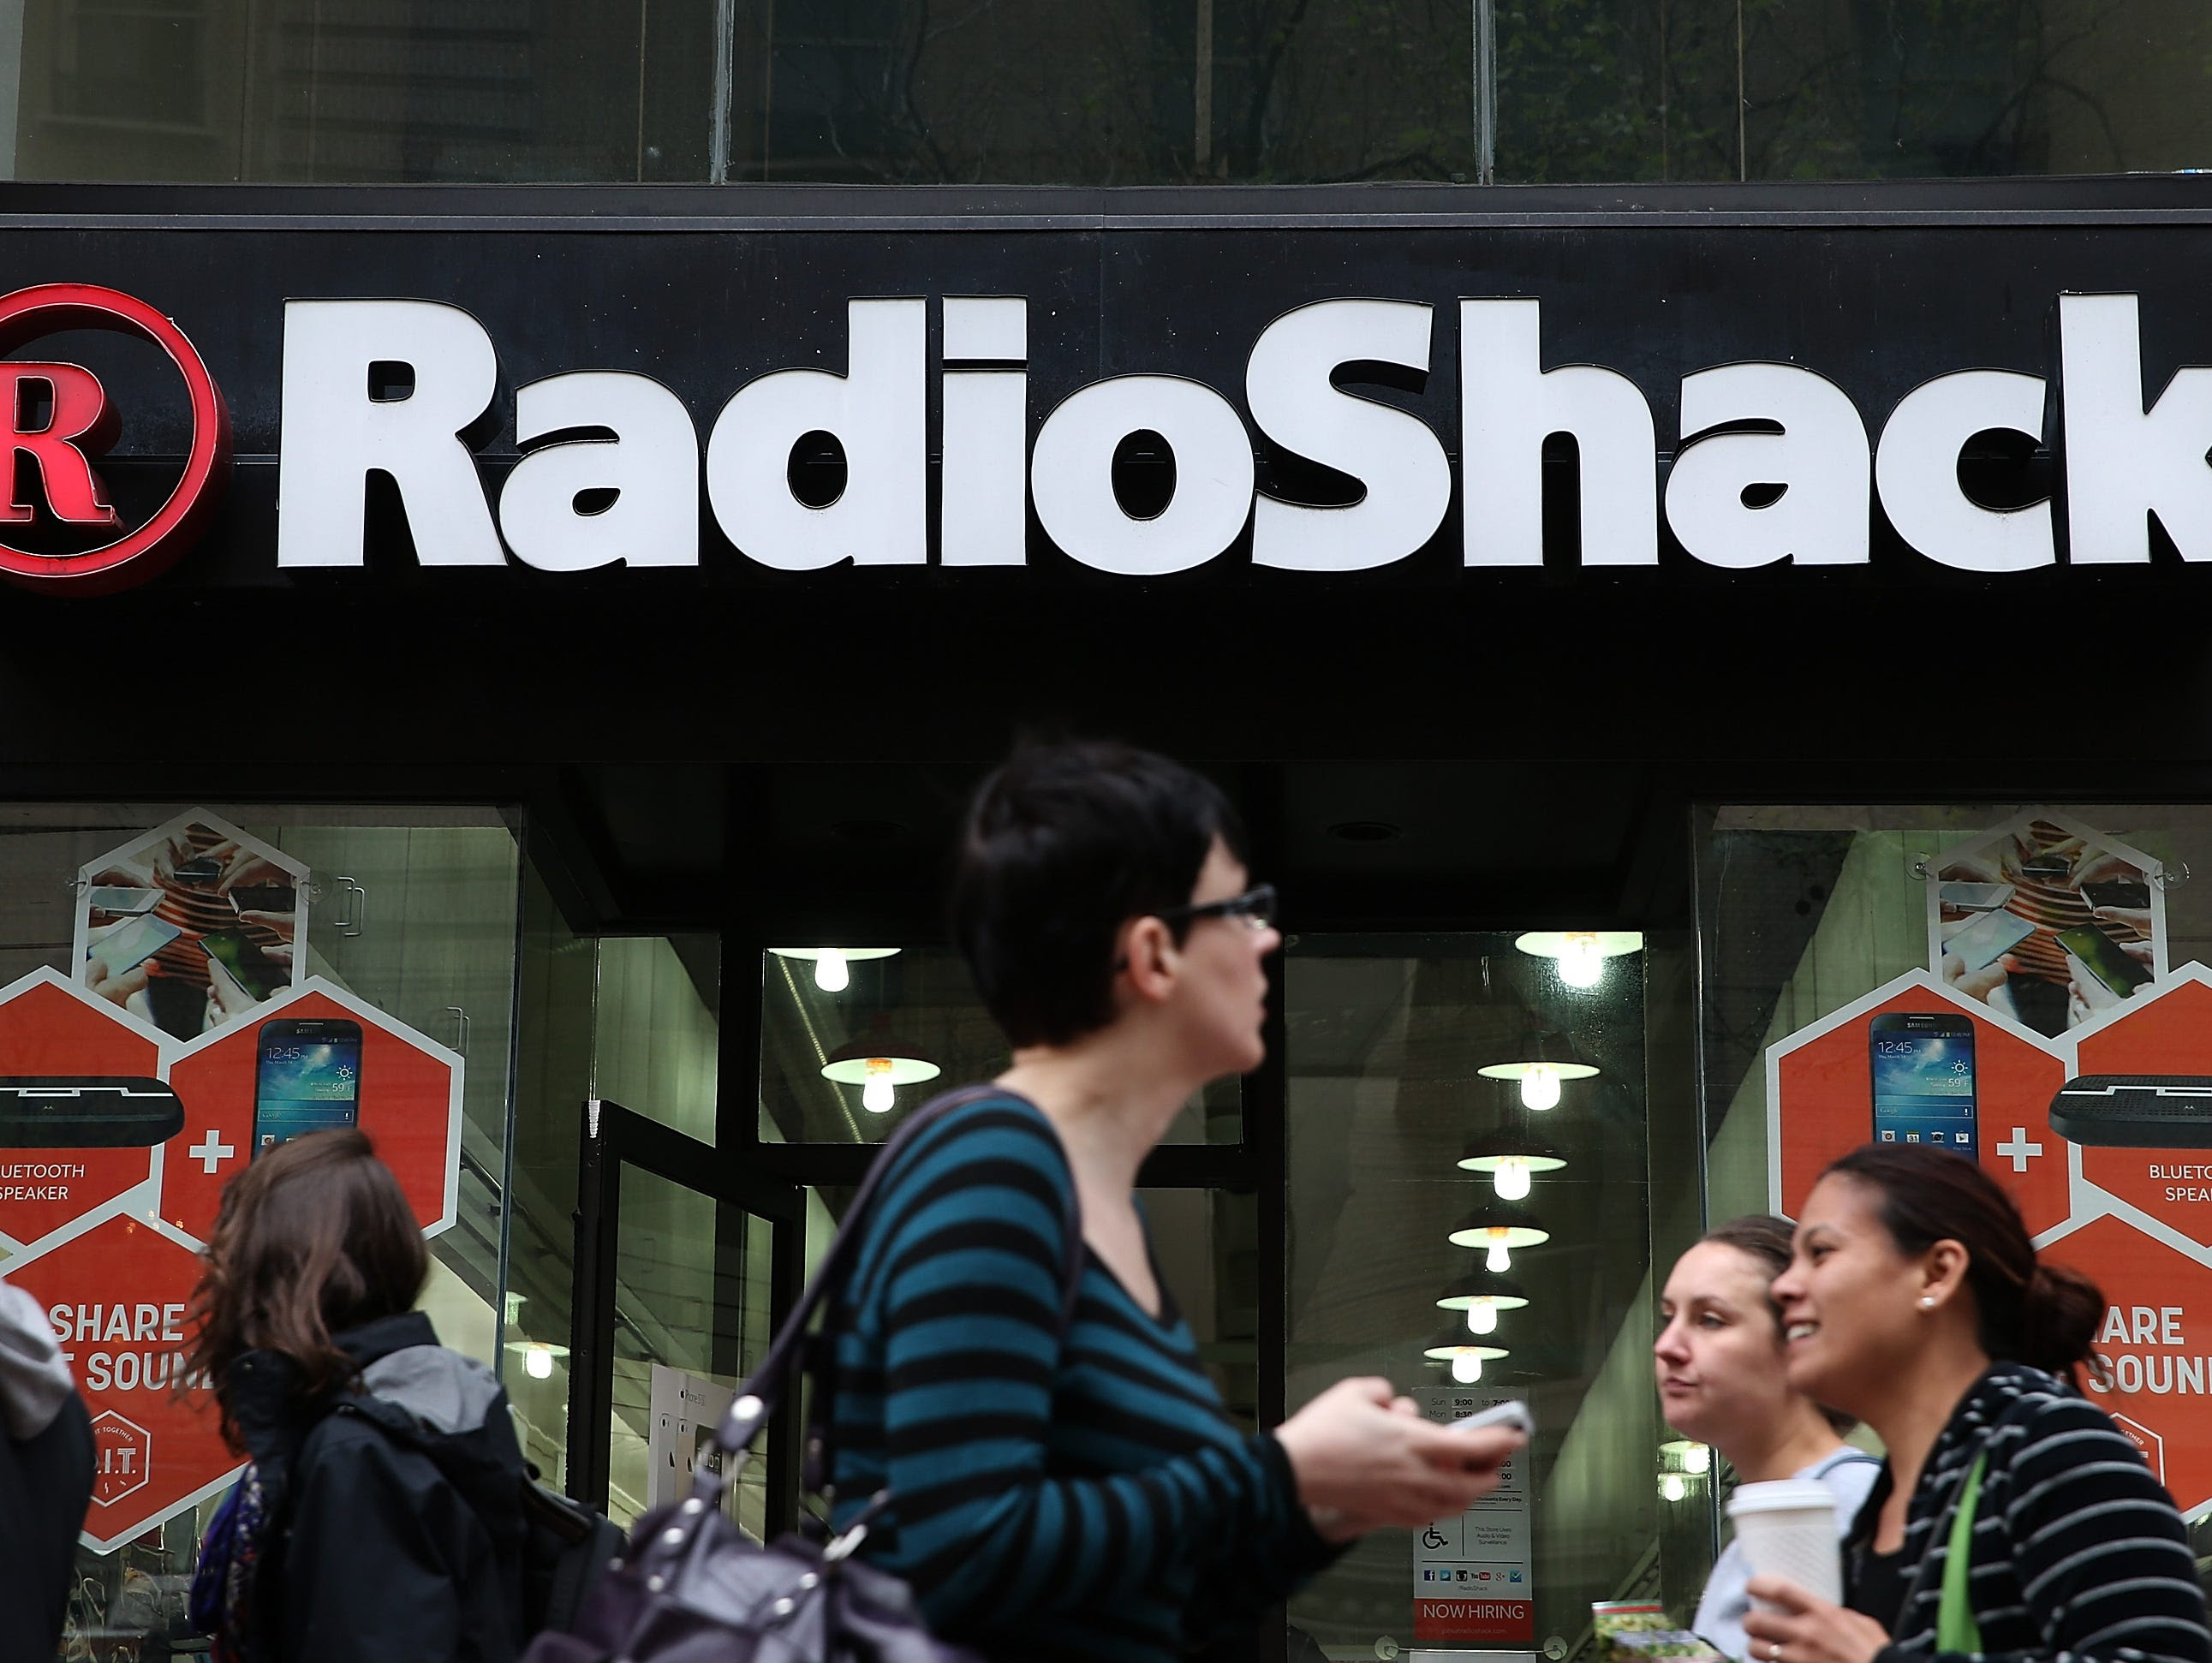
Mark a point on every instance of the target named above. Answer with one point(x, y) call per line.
point(2013, 1519)
point(380, 1516)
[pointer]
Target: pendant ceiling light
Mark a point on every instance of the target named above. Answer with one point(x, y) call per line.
point(1510, 1157)
point(537, 1355)
point(878, 1061)
point(1499, 1231)
point(1465, 1357)
point(1539, 1078)
point(1694, 1458)
point(1482, 1297)
point(832, 972)
point(1580, 955)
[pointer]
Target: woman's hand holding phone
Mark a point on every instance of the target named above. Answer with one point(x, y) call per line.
point(1363, 1457)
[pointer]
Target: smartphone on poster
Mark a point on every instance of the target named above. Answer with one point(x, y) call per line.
point(264, 898)
point(306, 1077)
point(121, 900)
point(2100, 957)
point(253, 970)
point(2118, 892)
point(1988, 938)
point(1923, 1066)
point(1975, 897)
point(131, 944)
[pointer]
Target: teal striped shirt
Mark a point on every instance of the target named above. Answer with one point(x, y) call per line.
point(1084, 1496)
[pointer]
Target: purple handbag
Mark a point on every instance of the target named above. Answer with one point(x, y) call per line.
point(690, 1589)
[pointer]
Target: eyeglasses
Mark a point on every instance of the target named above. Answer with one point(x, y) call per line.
point(1255, 907)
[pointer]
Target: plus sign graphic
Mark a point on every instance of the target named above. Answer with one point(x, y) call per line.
point(210, 1152)
point(2020, 1151)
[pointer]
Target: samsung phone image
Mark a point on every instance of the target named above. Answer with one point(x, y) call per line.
point(1988, 938)
point(306, 1077)
point(253, 969)
point(120, 901)
point(201, 869)
point(2098, 954)
point(1974, 897)
point(1923, 1080)
point(133, 944)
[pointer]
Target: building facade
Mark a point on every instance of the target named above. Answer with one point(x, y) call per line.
point(1676, 522)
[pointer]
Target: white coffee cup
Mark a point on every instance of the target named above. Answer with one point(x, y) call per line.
point(1788, 1529)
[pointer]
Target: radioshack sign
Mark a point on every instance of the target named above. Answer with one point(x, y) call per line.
point(610, 460)
point(1774, 462)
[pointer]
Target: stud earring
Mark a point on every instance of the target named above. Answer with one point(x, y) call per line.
point(1927, 1301)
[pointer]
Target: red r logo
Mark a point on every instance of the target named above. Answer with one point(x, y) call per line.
point(77, 424)
point(57, 419)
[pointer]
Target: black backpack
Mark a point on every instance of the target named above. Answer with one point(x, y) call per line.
point(565, 1545)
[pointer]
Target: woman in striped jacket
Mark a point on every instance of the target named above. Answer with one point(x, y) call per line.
point(1064, 1480)
point(1916, 1302)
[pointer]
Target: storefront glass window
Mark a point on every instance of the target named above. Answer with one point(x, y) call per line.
point(850, 1043)
point(1166, 91)
point(250, 972)
point(1388, 1040)
point(2021, 984)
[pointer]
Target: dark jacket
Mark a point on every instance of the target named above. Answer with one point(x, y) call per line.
point(2078, 1552)
point(396, 1528)
point(46, 1480)
point(46, 1486)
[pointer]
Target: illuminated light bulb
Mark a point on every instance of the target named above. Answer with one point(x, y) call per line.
point(537, 1363)
point(1467, 1368)
point(1540, 1088)
point(1581, 964)
point(1671, 1488)
point(1498, 1259)
point(876, 1096)
point(1697, 1459)
point(833, 972)
point(1482, 1319)
point(1511, 1177)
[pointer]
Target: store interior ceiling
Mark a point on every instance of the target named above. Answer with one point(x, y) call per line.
point(811, 849)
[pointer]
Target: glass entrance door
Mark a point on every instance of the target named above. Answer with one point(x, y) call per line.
point(682, 1273)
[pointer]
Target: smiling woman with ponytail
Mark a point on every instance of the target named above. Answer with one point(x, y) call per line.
point(2013, 1520)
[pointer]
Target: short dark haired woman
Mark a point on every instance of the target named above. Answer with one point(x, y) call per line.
point(1081, 1492)
point(1916, 1301)
point(1720, 1381)
point(381, 1517)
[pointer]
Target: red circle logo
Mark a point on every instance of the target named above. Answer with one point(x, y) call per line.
point(78, 425)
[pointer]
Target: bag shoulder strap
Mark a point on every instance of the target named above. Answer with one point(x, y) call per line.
point(777, 1374)
point(1956, 1630)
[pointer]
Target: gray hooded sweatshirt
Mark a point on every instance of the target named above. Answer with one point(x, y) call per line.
point(34, 1380)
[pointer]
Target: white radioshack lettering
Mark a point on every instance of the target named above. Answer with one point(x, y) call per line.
point(610, 470)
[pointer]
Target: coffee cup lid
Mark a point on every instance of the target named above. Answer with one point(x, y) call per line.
point(1781, 1496)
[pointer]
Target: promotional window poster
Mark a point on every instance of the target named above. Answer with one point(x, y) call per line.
point(190, 1038)
point(2048, 1040)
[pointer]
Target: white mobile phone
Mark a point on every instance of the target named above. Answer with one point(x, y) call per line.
point(1513, 1413)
